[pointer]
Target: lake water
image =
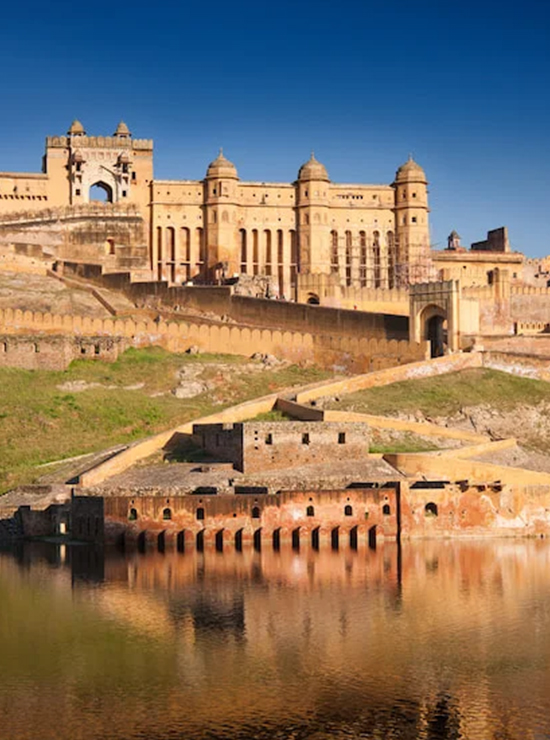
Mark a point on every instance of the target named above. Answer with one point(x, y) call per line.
point(436, 640)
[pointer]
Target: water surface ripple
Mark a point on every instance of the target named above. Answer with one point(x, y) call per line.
point(436, 641)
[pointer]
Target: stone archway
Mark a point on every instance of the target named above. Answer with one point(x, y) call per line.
point(434, 316)
point(100, 192)
point(433, 321)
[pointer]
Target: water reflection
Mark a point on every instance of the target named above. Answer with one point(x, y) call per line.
point(432, 641)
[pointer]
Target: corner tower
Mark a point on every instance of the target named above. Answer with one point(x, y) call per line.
point(412, 226)
point(222, 259)
point(312, 201)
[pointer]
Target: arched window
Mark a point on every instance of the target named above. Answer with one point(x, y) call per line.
point(100, 192)
point(377, 259)
point(348, 510)
point(280, 262)
point(256, 512)
point(167, 514)
point(363, 258)
point(132, 515)
point(268, 253)
point(348, 257)
point(334, 251)
point(200, 513)
point(392, 260)
point(386, 510)
point(171, 243)
point(255, 253)
point(310, 511)
point(244, 255)
point(430, 509)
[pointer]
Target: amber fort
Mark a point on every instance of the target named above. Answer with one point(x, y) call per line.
point(339, 275)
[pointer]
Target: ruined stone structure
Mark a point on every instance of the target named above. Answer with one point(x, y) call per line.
point(272, 445)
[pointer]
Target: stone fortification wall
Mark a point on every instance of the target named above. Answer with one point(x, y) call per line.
point(339, 351)
point(531, 304)
point(413, 371)
point(327, 291)
point(283, 315)
point(260, 446)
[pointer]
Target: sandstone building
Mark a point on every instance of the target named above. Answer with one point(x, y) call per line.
point(207, 230)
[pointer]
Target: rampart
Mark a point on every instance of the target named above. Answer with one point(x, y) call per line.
point(221, 301)
point(338, 350)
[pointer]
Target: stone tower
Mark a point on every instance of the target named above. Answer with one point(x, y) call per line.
point(411, 223)
point(312, 203)
point(222, 259)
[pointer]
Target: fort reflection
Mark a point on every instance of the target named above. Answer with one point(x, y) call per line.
point(436, 640)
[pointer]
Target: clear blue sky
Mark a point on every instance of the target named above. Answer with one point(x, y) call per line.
point(464, 86)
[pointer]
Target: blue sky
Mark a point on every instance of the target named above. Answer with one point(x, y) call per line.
point(463, 86)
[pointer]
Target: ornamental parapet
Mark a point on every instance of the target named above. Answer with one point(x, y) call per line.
point(99, 142)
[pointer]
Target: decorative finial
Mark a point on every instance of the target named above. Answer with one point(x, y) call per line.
point(221, 152)
point(312, 154)
point(410, 157)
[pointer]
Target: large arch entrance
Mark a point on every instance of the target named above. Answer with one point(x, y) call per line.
point(434, 329)
point(100, 192)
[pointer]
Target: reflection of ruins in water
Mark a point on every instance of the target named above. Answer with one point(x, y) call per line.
point(438, 640)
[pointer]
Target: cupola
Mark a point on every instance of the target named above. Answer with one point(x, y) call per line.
point(221, 167)
point(76, 129)
point(122, 131)
point(410, 171)
point(313, 170)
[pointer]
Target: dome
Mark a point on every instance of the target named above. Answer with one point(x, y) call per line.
point(313, 170)
point(411, 170)
point(221, 167)
point(76, 129)
point(122, 130)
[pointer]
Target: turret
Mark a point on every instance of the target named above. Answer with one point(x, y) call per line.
point(312, 201)
point(222, 257)
point(412, 227)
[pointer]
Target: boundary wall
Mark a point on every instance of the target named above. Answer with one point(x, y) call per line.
point(250, 409)
point(333, 351)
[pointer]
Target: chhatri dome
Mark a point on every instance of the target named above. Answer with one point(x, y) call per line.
point(411, 170)
point(122, 130)
point(76, 129)
point(221, 167)
point(313, 170)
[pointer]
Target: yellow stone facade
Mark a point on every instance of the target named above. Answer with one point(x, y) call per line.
point(373, 236)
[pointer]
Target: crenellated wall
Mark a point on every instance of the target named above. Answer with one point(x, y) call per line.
point(338, 350)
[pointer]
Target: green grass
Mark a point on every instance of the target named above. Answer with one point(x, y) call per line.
point(40, 423)
point(447, 394)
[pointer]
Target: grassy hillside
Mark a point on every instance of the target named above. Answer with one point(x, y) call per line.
point(448, 394)
point(41, 422)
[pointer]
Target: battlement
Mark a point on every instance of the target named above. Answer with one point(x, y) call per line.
point(98, 142)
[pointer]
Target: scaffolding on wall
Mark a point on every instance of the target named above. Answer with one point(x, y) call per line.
point(363, 263)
